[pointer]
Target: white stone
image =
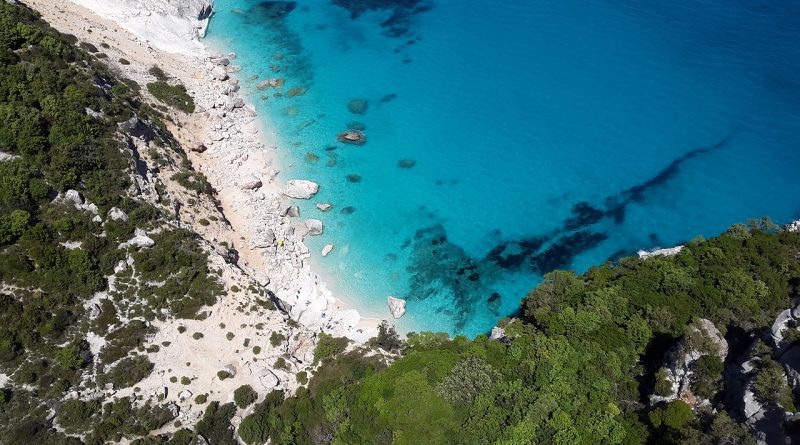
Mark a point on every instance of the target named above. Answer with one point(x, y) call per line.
point(327, 249)
point(117, 214)
point(314, 227)
point(397, 306)
point(140, 240)
point(269, 380)
point(324, 206)
point(497, 333)
point(301, 189)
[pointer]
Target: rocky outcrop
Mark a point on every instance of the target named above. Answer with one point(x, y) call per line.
point(793, 226)
point(702, 338)
point(140, 240)
point(327, 249)
point(300, 189)
point(397, 306)
point(173, 25)
point(672, 251)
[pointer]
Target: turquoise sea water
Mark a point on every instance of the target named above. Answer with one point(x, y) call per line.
point(544, 135)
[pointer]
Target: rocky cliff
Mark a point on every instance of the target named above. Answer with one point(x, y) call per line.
point(172, 25)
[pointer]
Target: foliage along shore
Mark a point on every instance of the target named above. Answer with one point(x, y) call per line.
point(584, 362)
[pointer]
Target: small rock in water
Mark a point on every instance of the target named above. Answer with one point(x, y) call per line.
point(352, 137)
point(354, 178)
point(327, 249)
point(355, 125)
point(314, 227)
point(358, 106)
point(311, 158)
point(397, 306)
point(324, 206)
point(348, 210)
point(406, 163)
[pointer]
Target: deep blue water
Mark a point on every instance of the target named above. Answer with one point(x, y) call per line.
point(544, 134)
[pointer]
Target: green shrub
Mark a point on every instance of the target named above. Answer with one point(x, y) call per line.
point(244, 396)
point(172, 95)
point(328, 347)
point(276, 338)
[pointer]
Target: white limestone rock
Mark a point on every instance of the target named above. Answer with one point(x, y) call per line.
point(301, 189)
point(327, 249)
point(116, 214)
point(672, 251)
point(323, 206)
point(139, 240)
point(397, 306)
point(314, 227)
point(497, 333)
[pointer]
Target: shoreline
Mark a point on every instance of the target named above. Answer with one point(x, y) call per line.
point(226, 123)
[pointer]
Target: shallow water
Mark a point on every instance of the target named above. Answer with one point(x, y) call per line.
point(544, 135)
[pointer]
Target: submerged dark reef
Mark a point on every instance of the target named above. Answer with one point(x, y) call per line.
point(402, 12)
point(438, 266)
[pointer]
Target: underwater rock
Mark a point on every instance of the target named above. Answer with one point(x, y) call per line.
point(355, 179)
point(355, 125)
point(583, 214)
point(397, 306)
point(276, 10)
point(301, 189)
point(349, 210)
point(296, 91)
point(406, 163)
point(388, 98)
point(352, 137)
point(358, 106)
point(311, 158)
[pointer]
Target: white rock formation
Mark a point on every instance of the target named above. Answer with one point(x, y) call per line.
point(314, 227)
point(173, 25)
point(497, 333)
point(679, 360)
point(140, 240)
point(327, 249)
point(300, 189)
point(397, 306)
point(323, 206)
point(117, 214)
point(794, 226)
point(645, 254)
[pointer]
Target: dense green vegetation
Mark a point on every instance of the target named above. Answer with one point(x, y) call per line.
point(60, 116)
point(576, 369)
point(172, 95)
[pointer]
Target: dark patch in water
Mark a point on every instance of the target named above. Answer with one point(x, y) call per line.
point(349, 210)
point(276, 10)
point(561, 253)
point(583, 214)
point(388, 98)
point(354, 178)
point(401, 15)
point(355, 125)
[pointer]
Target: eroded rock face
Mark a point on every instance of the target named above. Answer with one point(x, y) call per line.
point(174, 25)
point(397, 306)
point(701, 339)
point(301, 189)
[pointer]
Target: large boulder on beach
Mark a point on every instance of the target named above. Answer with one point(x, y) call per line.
point(397, 306)
point(301, 189)
point(352, 137)
point(358, 106)
point(314, 227)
